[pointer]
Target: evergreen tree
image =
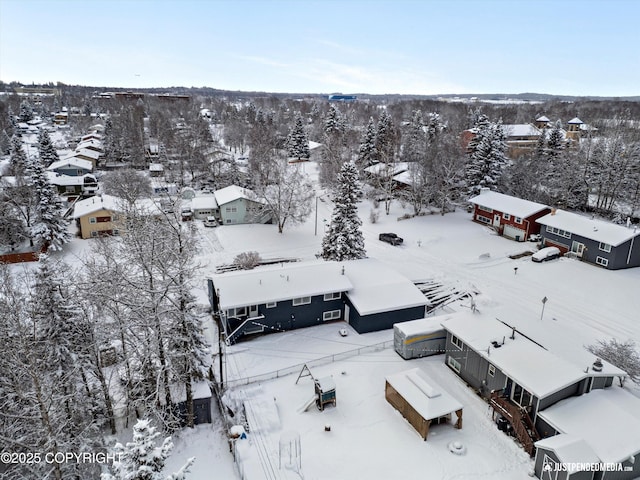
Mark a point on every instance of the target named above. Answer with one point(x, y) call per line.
point(298, 140)
point(344, 240)
point(385, 138)
point(26, 112)
point(488, 159)
point(414, 140)
point(555, 142)
point(367, 150)
point(47, 151)
point(18, 157)
point(334, 152)
point(141, 459)
point(49, 228)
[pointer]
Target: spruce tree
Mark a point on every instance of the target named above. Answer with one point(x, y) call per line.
point(47, 151)
point(18, 157)
point(488, 159)
point(298, 140)
point(385, 138)
point(367, 150)
point(26, 112)
point(344, 240)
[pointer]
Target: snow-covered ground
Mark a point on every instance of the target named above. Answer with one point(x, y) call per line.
point(368, 438)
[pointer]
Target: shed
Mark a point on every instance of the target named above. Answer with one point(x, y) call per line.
point(201, 393)
point(420, 402)
point(419, 338)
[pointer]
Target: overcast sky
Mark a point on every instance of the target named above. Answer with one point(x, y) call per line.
point(573, 47)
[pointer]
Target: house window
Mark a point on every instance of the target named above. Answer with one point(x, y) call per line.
point(521, 396)
point(228, 220)
point(482, 219)
point(94, 234)
point(602, 261)
point(272, 304)
point(457, 342)
point(237, 312)
point(605, 247)
point(301, 301)
point(69, 189)
point(453, 363)
point(506, 216)
point(103, 219)
point(332, 315)
point(485, 209)
point(492, 370)
point(557, 231)
point(92, 219)
point(115, 231)
point(115, 216)
point(518, 220)
point(332, 296)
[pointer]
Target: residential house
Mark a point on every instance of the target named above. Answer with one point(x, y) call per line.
point(384, 171)
point(73, 186)
point(105, 214)
point(602, 427)
point(574, 128)
point(595, 241)
point(87, 154)
point(156, 170)
point(71, 166)
point(61, 118)
point(239, 205)
point(91, 144)
point(519, 376)
point(521, 138)
point(204, 206)
point(365, 293)
point(511, 217)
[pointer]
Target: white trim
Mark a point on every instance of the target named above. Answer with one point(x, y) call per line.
point(491, 371)
point(271, 304)
point(602, 261)
point(457, 342)
point(605, 247)
point(332, 296)
point(331, 315)
point(453, 363)
point(301, 301)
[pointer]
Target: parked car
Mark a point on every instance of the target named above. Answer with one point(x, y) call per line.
point(545, 254)
point(391, 238)
point(210, 222)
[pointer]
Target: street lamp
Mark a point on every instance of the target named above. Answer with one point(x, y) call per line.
point(315, 232)
point(544, 302)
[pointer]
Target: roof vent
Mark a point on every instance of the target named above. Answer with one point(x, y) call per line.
point(553, 211)
point(496, 344)
point(597, 365)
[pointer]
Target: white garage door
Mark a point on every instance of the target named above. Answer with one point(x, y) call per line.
point(515, 233)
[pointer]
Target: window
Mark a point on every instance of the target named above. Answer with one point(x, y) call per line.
point(332, 296)
point(94, 234)
point(453, 363)
point(237, 312)
point(602, 261)
point(457, 342)
point(482, 219)
point(485, 209)
point(557, 231)
point(115, 216)
point(492, 370)
point(115, 231)
point(301, 301)
point(272, 304)
point(506, 216)
point(605, 247)
point(70, 189)
point(518, 220)
point(332, 315)
point(92, 219)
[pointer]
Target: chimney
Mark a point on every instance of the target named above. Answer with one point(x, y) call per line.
point(553, 211)
point(597, 365)
point(513, 333)
point(343, 270)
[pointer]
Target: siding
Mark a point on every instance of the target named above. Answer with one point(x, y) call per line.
point(566, 392)
point(382, 320)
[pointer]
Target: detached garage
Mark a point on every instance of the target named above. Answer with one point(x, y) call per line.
point(421, 403)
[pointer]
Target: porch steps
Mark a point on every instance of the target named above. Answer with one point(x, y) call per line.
point(519, 419)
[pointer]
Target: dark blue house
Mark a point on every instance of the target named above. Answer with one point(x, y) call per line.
point(602, 243)
point(365, 293)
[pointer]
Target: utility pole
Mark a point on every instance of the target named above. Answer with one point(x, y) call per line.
point(544, 302)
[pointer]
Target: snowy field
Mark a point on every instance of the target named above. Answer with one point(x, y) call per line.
point(368, 438)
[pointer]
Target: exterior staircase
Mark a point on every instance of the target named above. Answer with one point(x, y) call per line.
point(519, 419)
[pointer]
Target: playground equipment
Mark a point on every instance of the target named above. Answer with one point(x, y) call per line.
point(324, 391)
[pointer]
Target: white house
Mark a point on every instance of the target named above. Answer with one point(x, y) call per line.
point(240, 205)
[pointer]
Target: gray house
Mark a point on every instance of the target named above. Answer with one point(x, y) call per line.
point(71, 166)
point(603, 243)
point(606, 430)
point(240, 205)
point(518, 376)
point(365, 293)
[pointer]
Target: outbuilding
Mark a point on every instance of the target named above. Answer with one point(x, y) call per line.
point(421, 402)
point(419, 338)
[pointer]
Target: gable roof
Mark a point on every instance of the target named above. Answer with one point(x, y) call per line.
point(587, 227)
point(71, 162)
point(607, 419)
point(507, 204)
point(87, 153)
point(521, 130)
point(112, 204)
point(537, 370)
point(543, 118)
point(387, 169)
point(575, 121)
point(233, 192)
point(203, 202)
point(60, 179)
point(569, 449)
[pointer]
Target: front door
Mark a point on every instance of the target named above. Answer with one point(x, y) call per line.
point(577, 248)
point(253, 311)
point(346, 313)
point(496, 220)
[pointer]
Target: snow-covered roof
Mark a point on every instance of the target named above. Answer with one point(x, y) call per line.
point(542, 119)
point(67, 180)
point(507, 204)
point(112, 204)
point(607, 419)
point(422, 326)
point(92, 142)
point(588, 227)
point(569, 449)
point(71, 162)
point(313, 145)
point(233, 192)
point(203, 202)
point(575, 121)
point(387, 169)
point(521, 130)
point(378, 288)
point(277, 283)
point(199, 391)
point(426, 397)
point(156, 167)
point(537, 370)
point(406, 177)
point(87, 153)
